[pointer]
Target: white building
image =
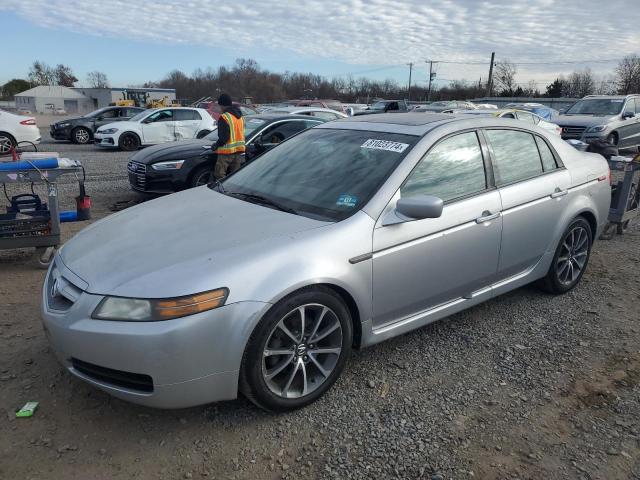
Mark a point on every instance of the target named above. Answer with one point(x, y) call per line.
point(46, 99)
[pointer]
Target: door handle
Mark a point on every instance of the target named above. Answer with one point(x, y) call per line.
point(559, 193)
point(487, 216)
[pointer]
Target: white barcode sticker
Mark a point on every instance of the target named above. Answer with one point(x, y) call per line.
point(385, 145)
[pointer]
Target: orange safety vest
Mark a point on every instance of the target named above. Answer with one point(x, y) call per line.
point(236, 135)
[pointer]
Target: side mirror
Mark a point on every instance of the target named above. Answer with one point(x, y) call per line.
point(626, 115)
point(415, 208)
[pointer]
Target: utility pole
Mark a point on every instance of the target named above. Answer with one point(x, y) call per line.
point(490, 82)
point(409, 92)
point(431, 77)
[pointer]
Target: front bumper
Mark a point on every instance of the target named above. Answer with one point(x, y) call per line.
point(103, 140)
point(63, 133)
point(188, 361)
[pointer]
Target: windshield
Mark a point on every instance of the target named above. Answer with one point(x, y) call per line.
point(322, 173)
point(597, 106)
point(378, 106)
point(142, 114)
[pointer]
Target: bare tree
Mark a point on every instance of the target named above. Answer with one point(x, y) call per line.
point(580, 84)
point(97, 79)
point(41, 74)
point(628, 72)
point(64, 76)
point(504, 77)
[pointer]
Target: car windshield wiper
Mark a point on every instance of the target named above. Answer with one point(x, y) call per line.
point(217, 184)
point(250, 197)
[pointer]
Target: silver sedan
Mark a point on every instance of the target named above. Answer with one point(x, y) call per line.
point(343, 236)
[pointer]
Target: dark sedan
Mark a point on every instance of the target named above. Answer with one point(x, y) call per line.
point(81, 129)
point(175, 166)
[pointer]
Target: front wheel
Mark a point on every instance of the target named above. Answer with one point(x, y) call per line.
point(129, 142)
point(571, 258)
point(202, 176)
point(297, 351)
point(81, 136)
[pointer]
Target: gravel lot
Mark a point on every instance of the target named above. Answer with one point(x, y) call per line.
point(526, 386)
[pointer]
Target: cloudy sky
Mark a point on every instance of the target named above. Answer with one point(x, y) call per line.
point(136, 40)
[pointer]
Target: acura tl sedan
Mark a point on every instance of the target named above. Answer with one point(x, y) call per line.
point(343, 236)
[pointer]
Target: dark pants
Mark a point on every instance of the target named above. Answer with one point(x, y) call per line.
point(227, 164)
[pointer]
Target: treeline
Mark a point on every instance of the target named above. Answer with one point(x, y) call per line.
point(245, 78)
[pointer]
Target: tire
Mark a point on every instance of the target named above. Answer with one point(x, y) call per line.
point(612, 139)
point(571, 258)
point(129, 142)
point(6, 142)
point(81, 135)
point(295, 373)
point(203, 133)
point(197, 179)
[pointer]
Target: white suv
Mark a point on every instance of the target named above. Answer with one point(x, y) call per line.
point(154, 126)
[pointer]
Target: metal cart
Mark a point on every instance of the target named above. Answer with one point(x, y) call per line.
point(625, 194)
point(39, 225)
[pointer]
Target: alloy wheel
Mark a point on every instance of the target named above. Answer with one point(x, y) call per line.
point(82, 135)
point(573, 255)
point(301, 351)
point(5, 144)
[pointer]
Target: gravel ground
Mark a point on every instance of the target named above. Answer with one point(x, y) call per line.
point(526, 386)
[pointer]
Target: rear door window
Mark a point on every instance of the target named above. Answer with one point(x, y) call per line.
point(452, 169)
point(548, 160)
point(515, 156)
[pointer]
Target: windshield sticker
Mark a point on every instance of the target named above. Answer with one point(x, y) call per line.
point(347, 201)
point(385, 145)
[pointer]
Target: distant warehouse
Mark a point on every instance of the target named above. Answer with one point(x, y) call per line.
point(48, 99)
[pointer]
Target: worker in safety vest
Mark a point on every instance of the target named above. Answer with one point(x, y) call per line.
point(230, 145)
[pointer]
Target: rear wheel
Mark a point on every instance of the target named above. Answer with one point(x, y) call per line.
point(6, 142)
point(203, 133)
point(81, 136)
point(129, 142)
point(571, 258)
point(297, 351)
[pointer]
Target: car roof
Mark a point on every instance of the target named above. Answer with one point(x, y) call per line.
point(293, 108)
point(282, 116)
point(613, 97)
point(408, 123)
point(417, 124)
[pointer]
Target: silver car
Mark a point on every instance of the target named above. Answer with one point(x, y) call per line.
point(344, 235)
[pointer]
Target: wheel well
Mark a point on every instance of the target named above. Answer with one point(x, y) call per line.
point(353, 310)
point(11, 137)
point(591, 219)
point(82, 126)
point(130, 133)
point(197, 170)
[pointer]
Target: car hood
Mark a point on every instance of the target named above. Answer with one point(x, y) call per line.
point(170, 246)
point(73, 120)
point(182, 149)
point(121, 126)
point(580, 120)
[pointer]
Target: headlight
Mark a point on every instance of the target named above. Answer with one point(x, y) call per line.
point(108, 130)
point(170, 165)
point(152, 310)
point(596, 128)
point(62, 125)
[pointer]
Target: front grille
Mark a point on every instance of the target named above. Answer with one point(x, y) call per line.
point(118, 378)
point(61, 293)
point(137, 175)
point(572, 131)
